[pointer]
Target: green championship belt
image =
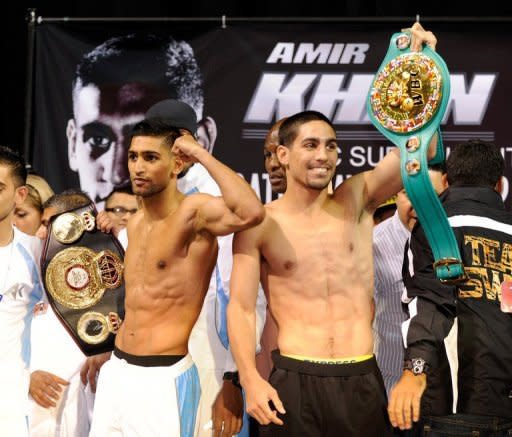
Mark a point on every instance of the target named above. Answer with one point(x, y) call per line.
point(406, 103)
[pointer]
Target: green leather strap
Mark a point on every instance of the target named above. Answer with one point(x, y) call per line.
point(406, 103)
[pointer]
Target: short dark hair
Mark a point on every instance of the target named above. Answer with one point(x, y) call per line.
point(440, 167)
point(475, 162)
point(290, 127)
point(68, 200)
point(174, 71)
point(156, 127)
point(124, 189)
point(12, 159)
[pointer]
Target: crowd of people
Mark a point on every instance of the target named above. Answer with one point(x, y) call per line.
point(317, 314)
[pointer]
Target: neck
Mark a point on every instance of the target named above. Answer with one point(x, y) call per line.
point(300, 198)
point(6, 231)
point(160, 205)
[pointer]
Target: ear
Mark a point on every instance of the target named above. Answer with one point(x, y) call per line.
point(444, 181)
point(71, 134)
point(207, 133)
point(178, 166)
point(20, 195)
point(283, 155)
point(499, 187)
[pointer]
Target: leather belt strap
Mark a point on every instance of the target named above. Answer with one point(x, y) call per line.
point(406, 103)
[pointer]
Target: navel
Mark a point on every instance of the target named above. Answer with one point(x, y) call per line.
point(161, 264)
point(350, 247)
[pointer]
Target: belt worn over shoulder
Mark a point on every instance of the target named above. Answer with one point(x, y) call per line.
point(82, 271)
point(406, 103)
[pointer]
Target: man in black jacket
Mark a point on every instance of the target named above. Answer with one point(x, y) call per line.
point(474, 311)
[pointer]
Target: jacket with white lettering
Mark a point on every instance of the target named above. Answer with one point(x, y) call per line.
point(483, 358)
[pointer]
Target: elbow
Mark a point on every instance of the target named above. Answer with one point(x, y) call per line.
point(258, 215)
point(255, 215)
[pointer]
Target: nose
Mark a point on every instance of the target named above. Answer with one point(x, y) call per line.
point(321, 153)
point(273, 162)
point(138, 166)
point(119, 170)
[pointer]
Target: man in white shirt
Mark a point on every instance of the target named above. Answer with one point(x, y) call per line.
point(20, 290)
point(60, 405)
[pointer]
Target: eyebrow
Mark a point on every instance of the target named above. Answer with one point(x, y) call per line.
point(144, 152)
point(316, 139)
point(98, 127)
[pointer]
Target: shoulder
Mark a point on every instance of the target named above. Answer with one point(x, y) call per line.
point(351, 189)
point(274, 214)
point(31, 244)
point(261, 232)
point(194, 201)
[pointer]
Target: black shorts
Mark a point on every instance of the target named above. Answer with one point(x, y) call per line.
point(334, 400)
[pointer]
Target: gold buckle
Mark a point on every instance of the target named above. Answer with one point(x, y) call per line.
point(447, 262)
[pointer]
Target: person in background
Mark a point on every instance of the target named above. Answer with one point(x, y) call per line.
point(385, 210)
point(20, 290)
point(474, 314)
point(27, 216)
point(61, 406)
point(277, 177)
point(389, 240)
point(120, 205)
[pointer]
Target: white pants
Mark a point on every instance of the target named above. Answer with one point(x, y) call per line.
point(14, 382)
point(135, 400)
point(211, 382)
point(70, 418)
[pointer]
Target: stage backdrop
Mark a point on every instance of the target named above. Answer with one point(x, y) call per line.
point(254, 74)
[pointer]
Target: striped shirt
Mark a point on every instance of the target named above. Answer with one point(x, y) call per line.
point(389, 239)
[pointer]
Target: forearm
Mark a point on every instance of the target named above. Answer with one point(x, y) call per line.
point(431, 303)
point(242, 339)
point(432, 147)
point(238, 195)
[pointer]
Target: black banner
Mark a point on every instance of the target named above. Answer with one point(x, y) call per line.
point(250, 76)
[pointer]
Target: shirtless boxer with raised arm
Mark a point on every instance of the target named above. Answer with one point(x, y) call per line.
point(314, 254)
point(150, 385)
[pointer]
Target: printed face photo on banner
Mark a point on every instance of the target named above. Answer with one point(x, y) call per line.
point(114, 86)
point(97, 81)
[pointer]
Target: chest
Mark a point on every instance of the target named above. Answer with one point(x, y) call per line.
point(18, 285)
point(305, 245)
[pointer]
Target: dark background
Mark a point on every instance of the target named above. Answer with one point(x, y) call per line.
point(14, 28)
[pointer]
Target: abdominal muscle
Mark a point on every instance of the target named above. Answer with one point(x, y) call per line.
point(159, 321)
point(314, 324)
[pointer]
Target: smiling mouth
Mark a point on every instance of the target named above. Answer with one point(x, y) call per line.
point(322, 171)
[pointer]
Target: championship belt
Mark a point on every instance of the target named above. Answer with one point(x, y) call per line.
point(406, 103)
point(82, 270)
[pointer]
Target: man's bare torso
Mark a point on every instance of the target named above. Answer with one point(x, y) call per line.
point(318, 274)
point(167, 271)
